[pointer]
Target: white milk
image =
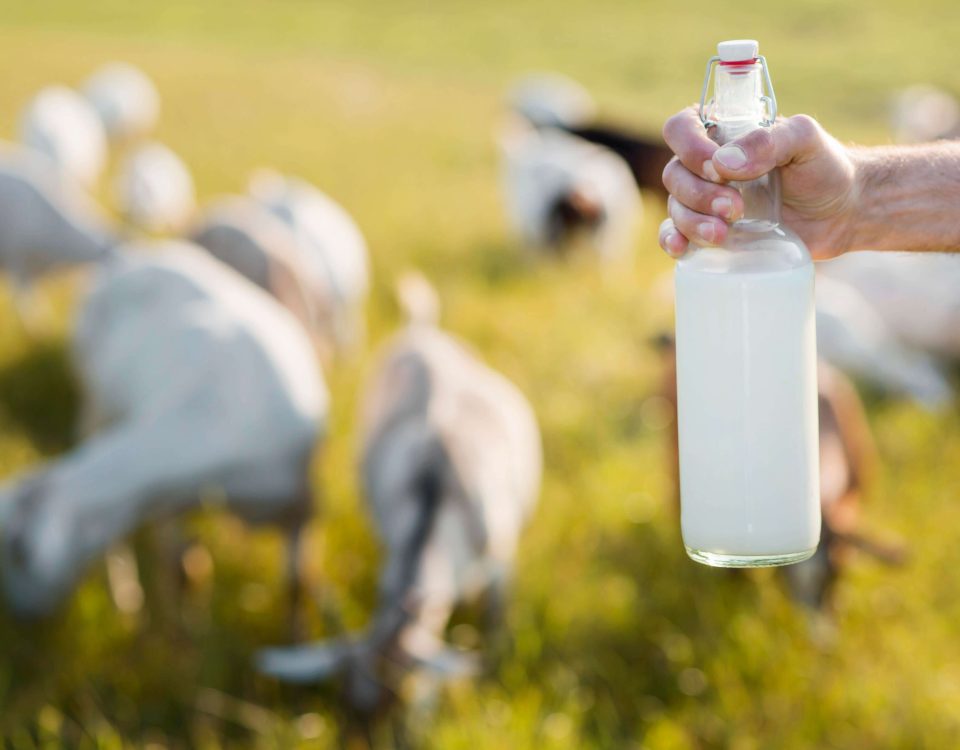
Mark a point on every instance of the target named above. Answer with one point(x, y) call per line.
point(747, 400)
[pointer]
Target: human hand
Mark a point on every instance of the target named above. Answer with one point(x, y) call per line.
point(819, 185)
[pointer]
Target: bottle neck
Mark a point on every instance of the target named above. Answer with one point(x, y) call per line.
point(738, 109)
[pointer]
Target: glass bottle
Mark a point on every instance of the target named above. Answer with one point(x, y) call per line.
point(746, 361)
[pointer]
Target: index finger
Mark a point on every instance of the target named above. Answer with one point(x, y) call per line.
point(688, 139)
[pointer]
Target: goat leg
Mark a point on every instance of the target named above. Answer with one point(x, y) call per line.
point(296, 581)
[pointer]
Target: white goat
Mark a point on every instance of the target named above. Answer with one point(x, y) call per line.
point(558, 187)
point(125, 98)
point(852, 336)
point(154, 189)
point(250, 239)
point(916, 294)
point(197, 383)
point(334, 250)
point(451, 471)
point(855, 338)
point(61, 124)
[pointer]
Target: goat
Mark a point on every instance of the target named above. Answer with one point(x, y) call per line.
point(196, 384)
point(847, 462)
point(61, 124)
point(246, 236)
point(854, 336)
point(451, 471)
point(125, 98)
point(549, 100)
point(558, 188)
point(154, 189)
point(847, 458)
point(917, 295)
point(333, 249)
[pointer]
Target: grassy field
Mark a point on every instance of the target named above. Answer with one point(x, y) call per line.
point(615, 640)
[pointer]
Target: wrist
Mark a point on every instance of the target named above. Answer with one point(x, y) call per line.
point(862, 226)
point(881, 210)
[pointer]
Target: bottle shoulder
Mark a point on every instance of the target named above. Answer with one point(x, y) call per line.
point(749, 250)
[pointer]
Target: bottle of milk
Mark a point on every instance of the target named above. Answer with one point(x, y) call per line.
point(746, 360)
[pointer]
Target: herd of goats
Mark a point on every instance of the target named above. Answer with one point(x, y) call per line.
point(201, 359)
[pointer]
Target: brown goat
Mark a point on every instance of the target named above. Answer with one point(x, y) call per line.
point(847, 460)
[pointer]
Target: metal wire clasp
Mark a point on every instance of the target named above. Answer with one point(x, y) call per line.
point(769, 100)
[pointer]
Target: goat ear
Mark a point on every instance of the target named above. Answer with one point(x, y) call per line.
point(450, 663)
point(513, 133)
point(308, 663)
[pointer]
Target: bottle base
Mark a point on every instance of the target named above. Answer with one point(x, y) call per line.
point(717, 560)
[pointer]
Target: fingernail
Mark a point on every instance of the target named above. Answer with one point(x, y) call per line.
point(710, 171)
point(732, 157)
point(722, 206)
point(707, 231)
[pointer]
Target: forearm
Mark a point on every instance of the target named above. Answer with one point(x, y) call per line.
point(908, 198)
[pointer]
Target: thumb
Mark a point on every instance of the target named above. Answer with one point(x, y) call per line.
point(790, 140)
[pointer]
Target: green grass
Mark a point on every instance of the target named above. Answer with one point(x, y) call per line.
point(615, 639)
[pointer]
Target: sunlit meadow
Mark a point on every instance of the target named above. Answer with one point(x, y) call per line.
point(614, 639)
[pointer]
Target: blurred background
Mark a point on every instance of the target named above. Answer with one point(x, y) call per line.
point(613, 637)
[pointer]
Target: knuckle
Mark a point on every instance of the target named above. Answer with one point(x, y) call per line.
point(685, 187)
point(683, 220)
point(758, 145)
point(698, 193)
point(760, 142)
point(675, 210)
point(805, 127)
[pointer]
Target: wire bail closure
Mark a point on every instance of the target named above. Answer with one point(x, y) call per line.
point(769, 100)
